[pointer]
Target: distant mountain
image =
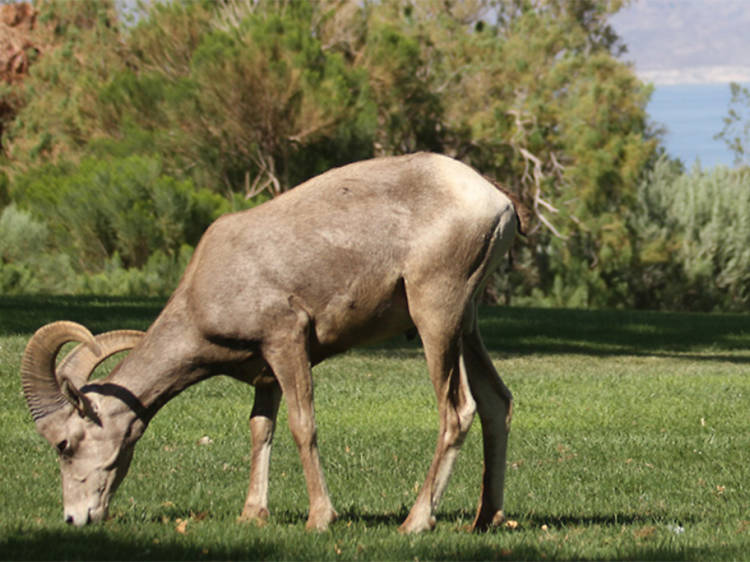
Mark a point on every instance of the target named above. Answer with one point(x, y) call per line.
point(687, 41)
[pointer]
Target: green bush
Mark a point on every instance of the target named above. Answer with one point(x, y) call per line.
point(116, 226)
point(21, 237)
point(158, 277)
point(120, 206)
point(29, 265)
point(26, 265)
point(693, 237)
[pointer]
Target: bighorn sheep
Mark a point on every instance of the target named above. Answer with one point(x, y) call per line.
point(357, 254)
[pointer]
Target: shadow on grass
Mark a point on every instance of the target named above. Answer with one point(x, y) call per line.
point(505, 330)
point(100, 545)
point(25, 314)
point(536, 521)
point(522, 331)
point(534, 331)
point(599, 519)
point(265, 544)
point(393, 519)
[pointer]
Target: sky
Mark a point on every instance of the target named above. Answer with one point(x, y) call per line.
point(690, 50)
point(687, 41)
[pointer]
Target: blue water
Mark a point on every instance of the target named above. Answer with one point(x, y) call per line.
point(692, 114)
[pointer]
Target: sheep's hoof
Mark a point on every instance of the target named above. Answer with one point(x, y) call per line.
point(254, 514)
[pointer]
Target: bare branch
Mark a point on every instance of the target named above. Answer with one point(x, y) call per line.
point(538, 176)
point(533, 168)
point(267, 168)
point(302, 135)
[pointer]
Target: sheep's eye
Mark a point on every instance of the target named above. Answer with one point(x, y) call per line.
point(62, 446)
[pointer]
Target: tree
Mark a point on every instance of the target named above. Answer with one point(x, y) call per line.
point(247, 99)
point(80, 48)
point(736, 131)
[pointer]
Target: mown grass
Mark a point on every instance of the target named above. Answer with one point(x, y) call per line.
point(631, 440)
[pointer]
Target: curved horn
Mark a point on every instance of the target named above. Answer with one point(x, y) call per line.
point(80, 363)
point(40, 386)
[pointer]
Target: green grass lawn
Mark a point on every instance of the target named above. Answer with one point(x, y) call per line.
point(631, 440)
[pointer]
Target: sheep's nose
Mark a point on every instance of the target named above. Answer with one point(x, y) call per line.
point(71, 520)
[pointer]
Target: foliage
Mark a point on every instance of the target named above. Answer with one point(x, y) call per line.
point(157, 277)
point(736, 131)
point(630, 441)
point(20, 235)
point(694, 230)
point(248, 99)
point(242, 100)
point(82, 48)
point(123, 206)
point(25, 264)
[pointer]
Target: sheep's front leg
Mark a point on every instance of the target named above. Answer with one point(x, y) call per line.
point(287, 355)
point(262, 425)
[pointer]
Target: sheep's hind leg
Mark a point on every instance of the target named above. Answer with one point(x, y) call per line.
point(456, 408)
point(495, 406)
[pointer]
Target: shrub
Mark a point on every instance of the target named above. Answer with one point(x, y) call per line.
point(693, 231)
point(158, 277)
point(21, 237)
point(26, 266)
point(124, 207)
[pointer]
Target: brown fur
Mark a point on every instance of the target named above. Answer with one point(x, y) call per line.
point(358, 254)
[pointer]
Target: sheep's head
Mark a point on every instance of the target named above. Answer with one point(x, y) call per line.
point(94, 447)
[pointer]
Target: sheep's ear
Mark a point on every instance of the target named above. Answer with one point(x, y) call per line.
point(79, 400)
